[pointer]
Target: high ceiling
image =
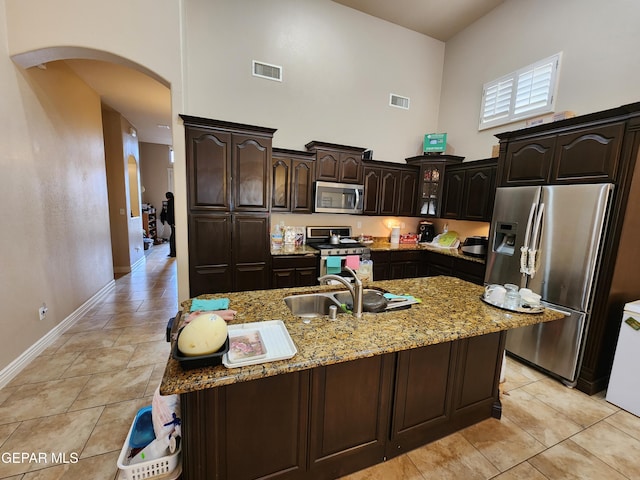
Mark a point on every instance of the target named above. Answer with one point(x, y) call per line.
point(440, 19)
point(146, 103)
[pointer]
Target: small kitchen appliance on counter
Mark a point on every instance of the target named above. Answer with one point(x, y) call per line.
point(426, 232)
point(475, 247)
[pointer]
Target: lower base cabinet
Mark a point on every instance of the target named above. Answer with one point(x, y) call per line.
point(330, 421)
point(294, 271)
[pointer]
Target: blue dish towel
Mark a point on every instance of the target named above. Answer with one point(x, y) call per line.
point(334, 265)
point(209, 304)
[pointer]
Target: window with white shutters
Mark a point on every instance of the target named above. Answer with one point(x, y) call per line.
point(522, 94)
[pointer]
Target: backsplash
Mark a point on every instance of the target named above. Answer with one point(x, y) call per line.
point(378, 226)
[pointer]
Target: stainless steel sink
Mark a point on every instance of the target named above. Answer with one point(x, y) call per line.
point(311, 305)
point(345, 296)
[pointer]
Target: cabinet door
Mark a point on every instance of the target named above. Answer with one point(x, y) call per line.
point(306, 277)
point(431, 178)
point(371, 191)
point(479, 193)
point(422, 404)
point(528, 162)
point(407, 193)
point(252, 173)
point(453, 193)
point(588, 155)
point(280, 184)
point(251, 251)
point(349, 420)
point(302, 175)
point(327, 166)
point(351, 168)
point(210, 256)
point(209, 169)
point(478, 374)
point(283, 278)
point(389, 192)
point(265, 442)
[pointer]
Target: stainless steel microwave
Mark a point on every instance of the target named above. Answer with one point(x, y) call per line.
point(338, 198)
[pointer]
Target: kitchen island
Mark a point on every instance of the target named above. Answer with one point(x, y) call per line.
point(357, 392)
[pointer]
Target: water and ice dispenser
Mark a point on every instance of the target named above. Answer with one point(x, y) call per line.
point(505, 238)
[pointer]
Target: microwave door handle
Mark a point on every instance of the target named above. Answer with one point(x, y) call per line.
point(355, 205)
point(524, 250)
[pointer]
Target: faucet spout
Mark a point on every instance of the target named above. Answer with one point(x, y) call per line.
point(355, 289)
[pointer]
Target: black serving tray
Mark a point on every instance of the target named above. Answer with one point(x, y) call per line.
point(189, 362)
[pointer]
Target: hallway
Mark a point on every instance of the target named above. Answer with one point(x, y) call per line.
point(80, 396)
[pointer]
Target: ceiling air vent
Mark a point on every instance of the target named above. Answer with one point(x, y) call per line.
point(398, 101)
point(265, 70)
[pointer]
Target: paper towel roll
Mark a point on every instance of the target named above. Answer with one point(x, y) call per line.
point(395, 235)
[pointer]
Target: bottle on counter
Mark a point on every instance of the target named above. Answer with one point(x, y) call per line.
point(277, 238)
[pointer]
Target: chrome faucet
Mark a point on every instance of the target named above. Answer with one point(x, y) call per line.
point(355, 289)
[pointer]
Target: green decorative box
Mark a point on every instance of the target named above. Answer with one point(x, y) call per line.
point(435, 142)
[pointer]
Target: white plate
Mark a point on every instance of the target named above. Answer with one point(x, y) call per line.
point(275, 337)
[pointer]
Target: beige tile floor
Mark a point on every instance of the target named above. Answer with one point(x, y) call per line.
point(78, 398)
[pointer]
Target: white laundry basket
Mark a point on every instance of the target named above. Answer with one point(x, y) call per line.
point(151, 469)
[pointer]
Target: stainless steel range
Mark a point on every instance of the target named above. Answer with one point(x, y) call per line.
point(337, 249)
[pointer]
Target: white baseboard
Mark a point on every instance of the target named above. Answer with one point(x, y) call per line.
point(14, 368)
point(129, 268)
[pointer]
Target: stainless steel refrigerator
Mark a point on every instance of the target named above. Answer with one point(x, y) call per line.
point(549, 239)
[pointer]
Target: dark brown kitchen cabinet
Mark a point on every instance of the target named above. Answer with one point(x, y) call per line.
point(248, 442)
point(407, 192)
point(292, 181)
point(349, 415)
point(600, 147)
point(337, 163)
point(469, 190)
point(441, 264)
point(389, 190)
point(431, 181)
point(461, 390)
point(584, 155)
point(390, 265)
point(228, 168)
point(329, 421)
point(229, 194)
point(294, 271)
point(228, 252)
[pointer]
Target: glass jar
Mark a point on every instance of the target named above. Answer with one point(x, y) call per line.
point(511, 297)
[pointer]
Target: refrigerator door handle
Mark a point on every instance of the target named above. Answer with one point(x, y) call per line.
point(536, 238)
point(559, 310)
point(524, 250)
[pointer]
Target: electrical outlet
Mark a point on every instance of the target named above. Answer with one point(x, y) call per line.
point(402, 225)
point(42, 311)
point(359, 225)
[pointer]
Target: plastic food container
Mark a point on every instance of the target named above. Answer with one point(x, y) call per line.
point(199, 361)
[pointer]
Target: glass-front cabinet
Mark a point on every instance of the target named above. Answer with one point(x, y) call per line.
point(431, 179)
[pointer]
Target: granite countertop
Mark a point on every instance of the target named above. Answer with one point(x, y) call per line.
point(380, 245)
point(451, 309)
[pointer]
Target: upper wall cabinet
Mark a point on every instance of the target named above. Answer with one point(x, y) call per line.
point(469, 190)
point(337, 163)
point(389, 189)
point(431, 181)
point(585, 155)
point(229, 165)
point(292, 181)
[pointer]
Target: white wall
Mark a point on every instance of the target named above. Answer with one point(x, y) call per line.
point(600, 64)
point(339, 67)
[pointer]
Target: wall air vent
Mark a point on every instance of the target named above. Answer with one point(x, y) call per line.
point(398, 101)
point(266, 70)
